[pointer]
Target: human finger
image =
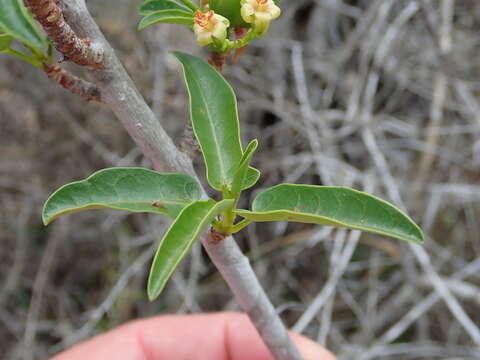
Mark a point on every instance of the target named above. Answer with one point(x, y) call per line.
point(219, 336)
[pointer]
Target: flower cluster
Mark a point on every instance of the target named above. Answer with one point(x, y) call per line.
point(210, 27)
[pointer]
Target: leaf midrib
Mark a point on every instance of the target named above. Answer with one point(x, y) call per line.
point(358, 225)
point(212, 130)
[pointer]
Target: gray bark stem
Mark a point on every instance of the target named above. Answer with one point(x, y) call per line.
point(237, 272)
point(121, 95)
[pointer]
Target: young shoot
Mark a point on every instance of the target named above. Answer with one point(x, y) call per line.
point(214, 116)
point(222, 25)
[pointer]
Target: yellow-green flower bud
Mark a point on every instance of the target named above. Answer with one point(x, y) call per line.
point(259, 13)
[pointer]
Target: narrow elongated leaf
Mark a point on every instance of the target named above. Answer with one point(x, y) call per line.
point(167, 16)
point(183, 232)
point(156, 5)
point(243, 168)
point(16, 21)
point(5, 42)
point(333, 206)
point(131, 189)
point(213, 109)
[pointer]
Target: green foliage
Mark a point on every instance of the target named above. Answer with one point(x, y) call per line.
point(17, 24)
point(213, 110)
point(167, 16)
point(151, 6)
point(183, 232)
point(240, 178)
point(166, 11)
point(131, 189)
point(5, 42)
point(16, 21)
point(229, 9)
point(218, 35)
point(332, 206)
point(190, 4)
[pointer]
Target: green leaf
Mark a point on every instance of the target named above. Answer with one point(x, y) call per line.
point(191, 5)
point(332, 206)
point(167, 16)
point(251, 179)
point(156, 5)
point(244, 171)
point(213, 109)
point(131, 189)
point(229, 9)
point(16, 21)
point(183, 232)
point(5, 42)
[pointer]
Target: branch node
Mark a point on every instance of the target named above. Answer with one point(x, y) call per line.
point(215, 237)
point(217, 61)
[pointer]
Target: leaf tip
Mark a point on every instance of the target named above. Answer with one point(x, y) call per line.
point(153, 288)
point(46, 218)
point(415, 235)
point(142, 25)
point(418, 238)
point(252, 146)
point(151, 295)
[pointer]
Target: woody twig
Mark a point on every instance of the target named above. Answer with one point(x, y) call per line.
point(80, 51)
point(74, 84)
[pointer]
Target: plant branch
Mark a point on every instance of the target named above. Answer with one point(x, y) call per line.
point(50, 15)
point(72, 83)
point(237, 272)
point(120, 94)
point(240, 225)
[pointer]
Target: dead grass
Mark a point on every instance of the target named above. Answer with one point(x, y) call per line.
point(382, 95)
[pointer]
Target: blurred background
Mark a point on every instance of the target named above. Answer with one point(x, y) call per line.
point(380, 95)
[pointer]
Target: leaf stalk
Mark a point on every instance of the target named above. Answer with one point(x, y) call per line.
point(28, 58)
point(240, 225)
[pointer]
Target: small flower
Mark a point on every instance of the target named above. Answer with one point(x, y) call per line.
point(259, 13)
point(208, 26)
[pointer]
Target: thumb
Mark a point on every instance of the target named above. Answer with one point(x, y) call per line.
point(310, 349)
